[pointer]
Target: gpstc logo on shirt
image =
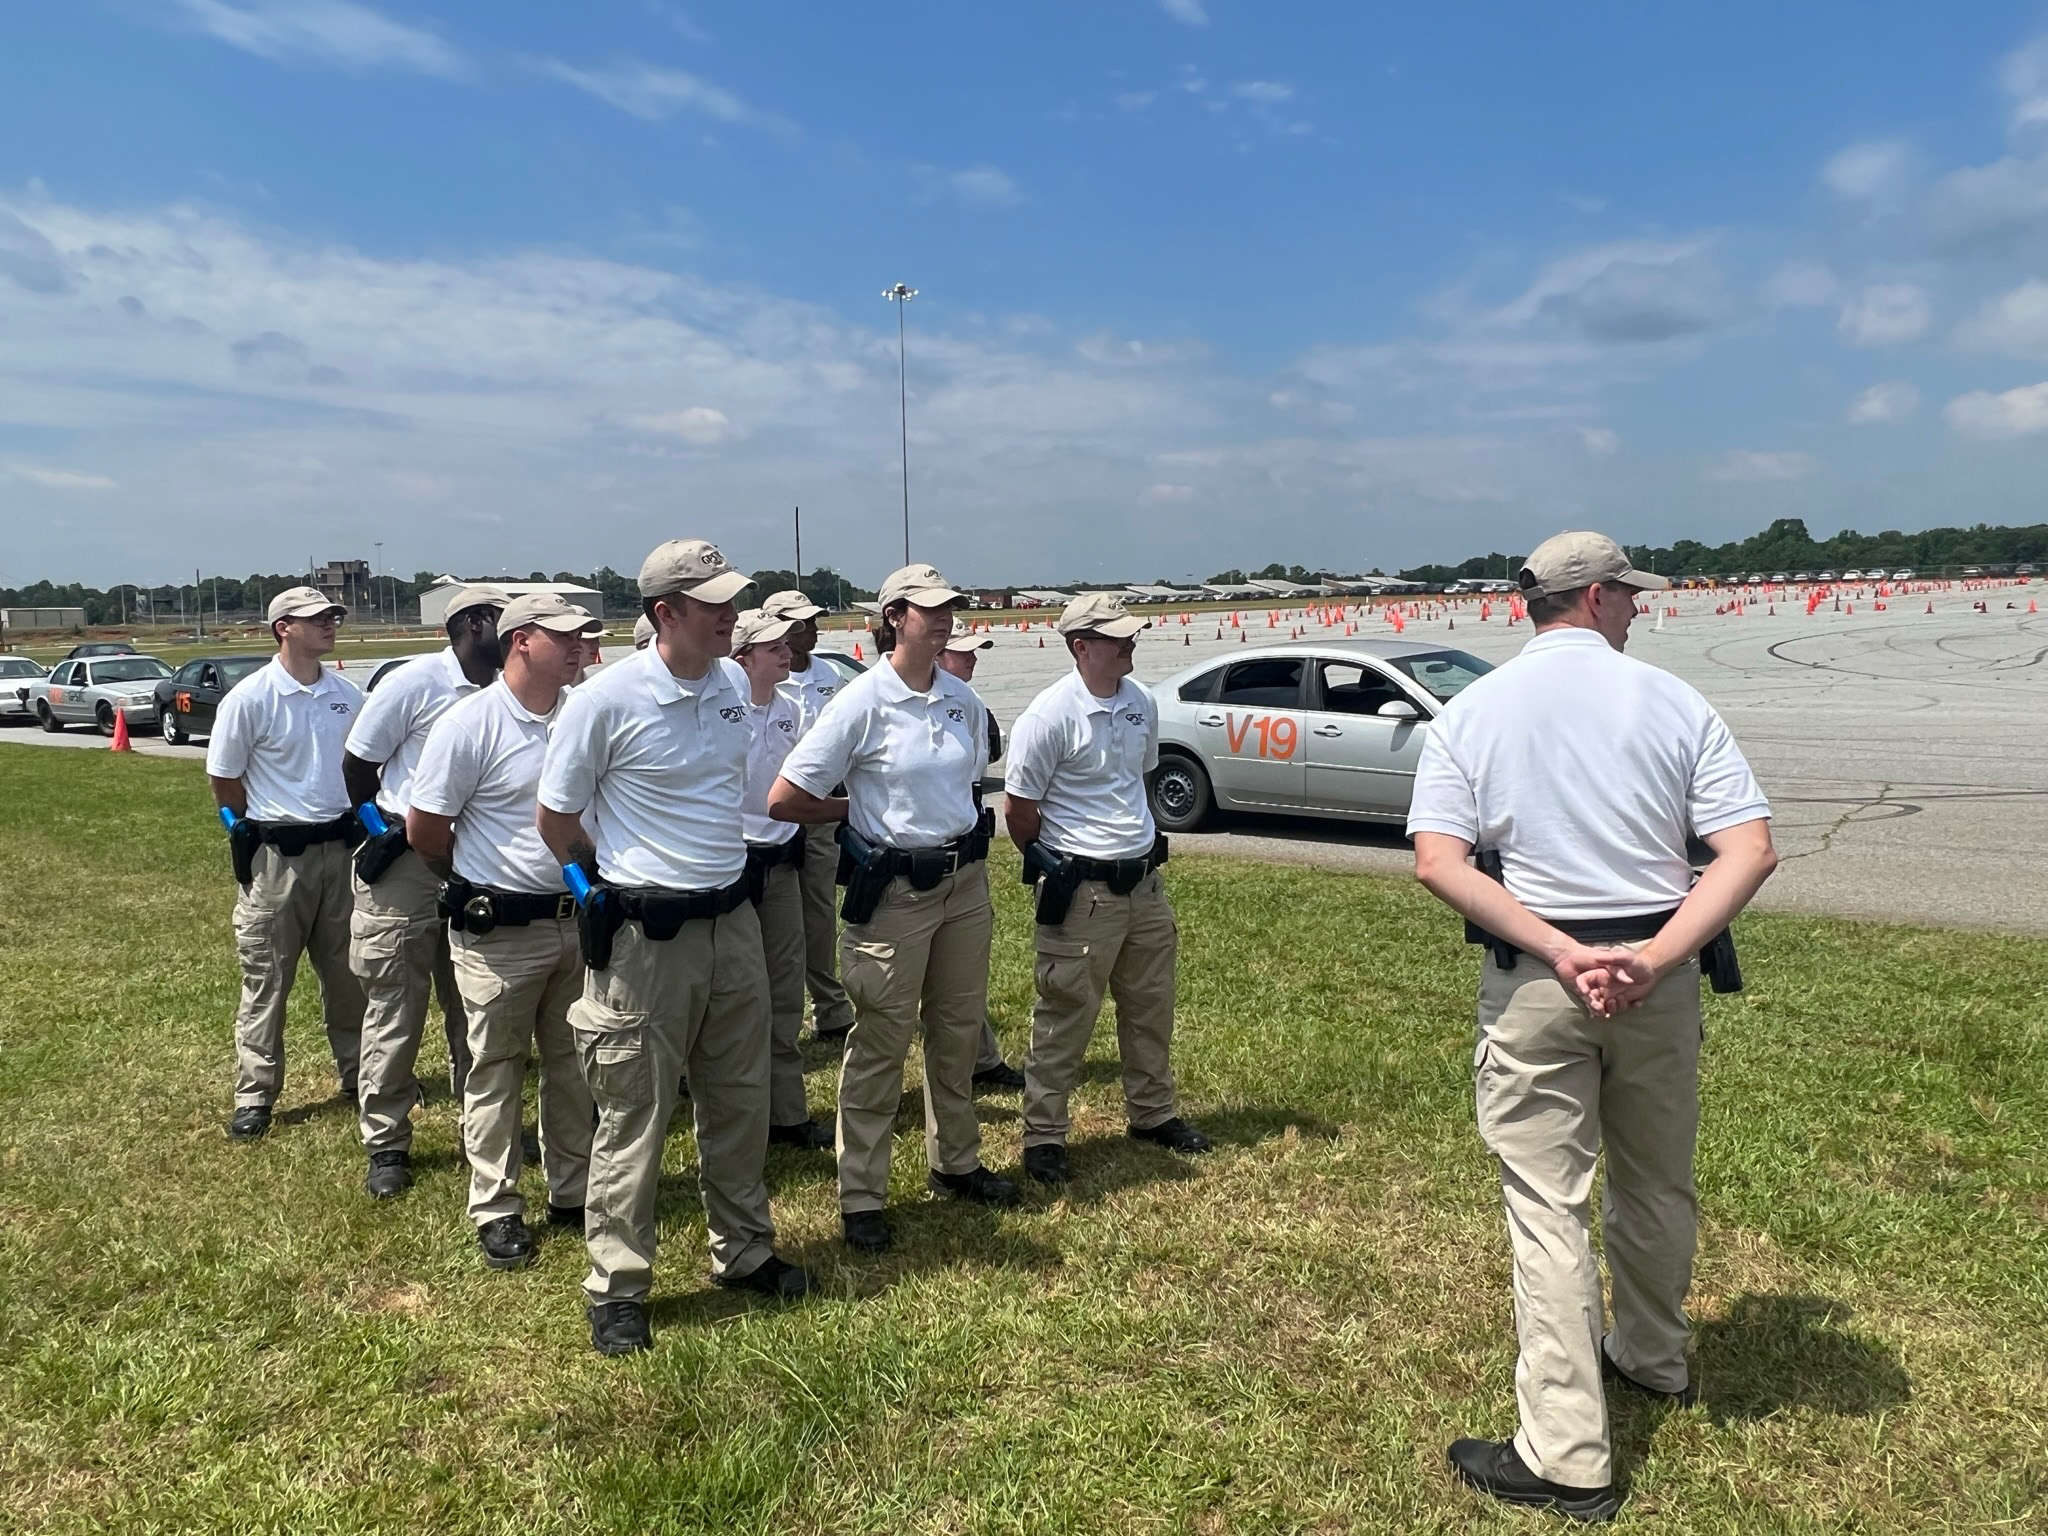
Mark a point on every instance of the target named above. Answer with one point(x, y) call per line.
point(731, 712)
point(1133, 717)
point(338, 706)
point(956, 714)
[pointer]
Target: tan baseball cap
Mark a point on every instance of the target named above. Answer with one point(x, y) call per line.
point(790, 605)
point(550, 610)
point(920, 585)
point(643, 632)
point(480, 595)
point(757, 626)
point(1571, 561)
point(965, 639)
point(693, 568)
point(1100, 613)
point(303, 603)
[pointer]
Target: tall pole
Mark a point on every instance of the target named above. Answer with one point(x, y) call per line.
point(378, 546)
point(198, 602)
point(799, 514)
point(901, 295)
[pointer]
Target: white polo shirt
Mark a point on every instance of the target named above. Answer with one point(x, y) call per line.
point(660, 766)
point(818, 683)
point(1084, 760)
point(284, 741)
point(910, 761)
point(777, 727)
point(1584, 768)
point(482, 766)
point(392, 728)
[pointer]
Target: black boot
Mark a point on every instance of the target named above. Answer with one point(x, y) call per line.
point(506, 1243)
point(620, 1328)
point(978, 1185)
point(805, 1135)
point(1000, 1078)
point(1176, 1135)
point(390, 1175)
point(772, 1277)
point(251, 1122)
point(1048, 1164)
point(1495, 1467)
point(866, 1231)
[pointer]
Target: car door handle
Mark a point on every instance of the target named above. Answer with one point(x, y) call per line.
point(1208, 720)
point(1329, 730)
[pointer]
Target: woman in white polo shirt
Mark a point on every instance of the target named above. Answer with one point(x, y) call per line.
point(779, 717)
point(910, 744)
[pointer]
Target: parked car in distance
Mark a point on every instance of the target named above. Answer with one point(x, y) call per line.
point(1801, 576)
point(101, 648)
point(1972, 572)
point(187, 700)
point(16, 673)
point(1327, 728)
point(1779, 578)
point(2023, 570)
point(1825, 576)
point(1905, 574)
point(89, 692)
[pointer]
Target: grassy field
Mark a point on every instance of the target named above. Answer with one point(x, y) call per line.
point(1279, 1337)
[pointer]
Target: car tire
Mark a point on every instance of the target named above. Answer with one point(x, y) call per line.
point(1181, 800)
point(48, 721)
point(174, 733)
point(103, 717)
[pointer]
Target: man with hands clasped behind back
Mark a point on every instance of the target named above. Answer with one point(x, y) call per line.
point(1583, 770)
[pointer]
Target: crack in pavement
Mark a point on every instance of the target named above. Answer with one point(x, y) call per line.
point(1827, 838)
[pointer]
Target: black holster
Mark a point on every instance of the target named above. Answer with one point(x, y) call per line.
point(1719, 964)
point(864, 871)
point(1056, 877)
point(1487, 862)
point(597, 921)
point(453, 903)
point(244, 838)
point(376, 855)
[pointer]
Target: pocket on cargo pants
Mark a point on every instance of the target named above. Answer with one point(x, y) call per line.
point(376, 948)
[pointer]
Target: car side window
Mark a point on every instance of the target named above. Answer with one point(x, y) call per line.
point(1353, 688)
point(1272, 682)
point(188, 674)
point(70, 674)
point(1201, 689)
point(209, 678)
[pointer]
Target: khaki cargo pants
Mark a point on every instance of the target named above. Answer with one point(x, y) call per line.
point(1124, 946)
point(518, 984)
point(921, 958)
point(830, 1010)
point(293, 907)
point(398, 949)
point(696, 1003)
point(782, 950)
point(1553, 1084)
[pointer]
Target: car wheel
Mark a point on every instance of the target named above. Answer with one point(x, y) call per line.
point(167, 722)
point(103, 717)
point(1180, 794)
point(49, 721)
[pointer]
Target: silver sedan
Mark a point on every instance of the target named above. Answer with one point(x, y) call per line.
point(1318, 728)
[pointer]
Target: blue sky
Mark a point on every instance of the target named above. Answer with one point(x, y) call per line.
point(1201, 282)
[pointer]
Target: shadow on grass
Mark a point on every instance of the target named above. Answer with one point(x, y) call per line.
point(1770, 1353)
point(335, 1103)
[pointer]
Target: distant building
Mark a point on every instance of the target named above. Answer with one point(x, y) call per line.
point(1042, 599)
point(342, 581)
point(1155, 594)
point(21, 620)
point(434, 601)
point(1272, 588)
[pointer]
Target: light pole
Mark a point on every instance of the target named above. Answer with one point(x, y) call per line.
point(379, 547)
point(901, 295)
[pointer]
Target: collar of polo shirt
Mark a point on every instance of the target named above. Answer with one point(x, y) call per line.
point(889, 683)
point(667, 688)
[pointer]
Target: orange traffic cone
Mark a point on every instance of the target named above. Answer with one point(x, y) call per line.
point(1930, 607)
point(856, 652)
point(1041, 642)
point(121, 743)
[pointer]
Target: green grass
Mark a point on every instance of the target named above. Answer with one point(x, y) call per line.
point(1279, 1337)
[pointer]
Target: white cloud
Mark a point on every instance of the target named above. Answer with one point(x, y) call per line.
point(699, 425)
point(2024, 75)
point(1164, 492)
point(1630, 292)
point(652, 93)
point(2014, 323)
point(1187, 12)
point(1746, 466)
point(1136, 101)
point(1803, 285)
point(1988, 207)
point(1267, 91)
point(1992, 417)
point(1885, 315)
point(337, 32)
point(1870, 173)
point(1600, 442)
point(57, 479)
point(983, 186)
point(1892, 401)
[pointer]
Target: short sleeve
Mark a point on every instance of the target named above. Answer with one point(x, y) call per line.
point(234, 727)
point(1034, 753)
point(577, 752)
point(1151, 728)
point(1444, 800)
point(1724, 792)
point(386, 719)
point(823, 757)
point(451, 767)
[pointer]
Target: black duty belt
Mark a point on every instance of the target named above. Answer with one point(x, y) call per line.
point(926, 867)
point(516, 909)
point(1120, 875)
point(766, 856)
point(292, 838)
point(1613, 930)
point(661, 912)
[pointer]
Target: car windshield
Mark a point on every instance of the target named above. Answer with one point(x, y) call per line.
point(18, 666)
point(236, 668)
point(1443, 674)
point(129, 669)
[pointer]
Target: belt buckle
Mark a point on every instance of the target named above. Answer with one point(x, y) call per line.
point(565, 907)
